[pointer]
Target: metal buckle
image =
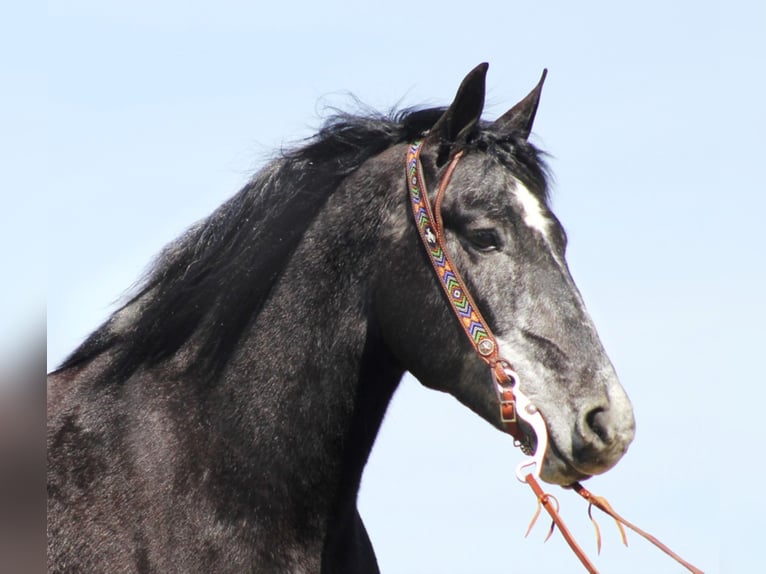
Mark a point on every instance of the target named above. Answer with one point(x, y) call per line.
point(512, 404)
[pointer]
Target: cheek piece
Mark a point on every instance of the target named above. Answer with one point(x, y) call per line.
point(514, 405)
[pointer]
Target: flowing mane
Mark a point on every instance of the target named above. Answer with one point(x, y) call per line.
point(212, 281)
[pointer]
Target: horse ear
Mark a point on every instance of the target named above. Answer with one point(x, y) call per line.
point(521, 116)
point(464, 112)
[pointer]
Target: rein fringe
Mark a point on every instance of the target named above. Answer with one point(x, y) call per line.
point(544, 501)
point(602, 504)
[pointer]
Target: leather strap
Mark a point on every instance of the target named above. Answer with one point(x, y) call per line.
point(545, 500)
point(431, 232)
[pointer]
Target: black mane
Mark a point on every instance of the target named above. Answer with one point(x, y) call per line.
point(213, 280)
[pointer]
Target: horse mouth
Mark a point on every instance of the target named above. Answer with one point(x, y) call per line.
point(557, 469)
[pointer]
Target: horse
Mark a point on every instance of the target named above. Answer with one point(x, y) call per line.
point(221, 418)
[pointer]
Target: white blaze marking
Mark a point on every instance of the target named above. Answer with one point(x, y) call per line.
point(535, 218)
point(534, 215)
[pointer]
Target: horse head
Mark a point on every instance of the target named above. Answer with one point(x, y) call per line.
point(510, 250)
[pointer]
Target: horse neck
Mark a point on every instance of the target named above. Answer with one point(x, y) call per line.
point(305, 395)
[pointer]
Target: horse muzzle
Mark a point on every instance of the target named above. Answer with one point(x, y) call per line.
point(600, 436)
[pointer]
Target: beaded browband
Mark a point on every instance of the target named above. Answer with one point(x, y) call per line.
point(513, 404)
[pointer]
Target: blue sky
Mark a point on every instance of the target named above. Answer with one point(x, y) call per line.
point(157, 112)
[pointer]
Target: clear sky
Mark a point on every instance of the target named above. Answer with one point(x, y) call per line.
point(156, 112)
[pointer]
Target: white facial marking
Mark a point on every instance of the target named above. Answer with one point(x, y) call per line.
point(534, 215)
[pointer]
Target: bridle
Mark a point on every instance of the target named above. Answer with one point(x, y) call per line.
point(513, 403)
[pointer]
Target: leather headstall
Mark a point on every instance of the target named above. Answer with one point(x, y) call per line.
point(431, 230)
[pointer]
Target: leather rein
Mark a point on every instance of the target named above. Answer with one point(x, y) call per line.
point(513, 403)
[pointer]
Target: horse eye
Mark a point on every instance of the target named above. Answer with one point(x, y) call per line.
point(484, 239)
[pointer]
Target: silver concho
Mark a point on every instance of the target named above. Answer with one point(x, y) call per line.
point(486, 347)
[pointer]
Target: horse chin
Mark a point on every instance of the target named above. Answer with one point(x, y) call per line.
point(557, 470)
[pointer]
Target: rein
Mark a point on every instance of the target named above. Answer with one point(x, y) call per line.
point(514, 405)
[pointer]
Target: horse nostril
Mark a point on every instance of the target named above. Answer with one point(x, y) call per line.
point(602, 436)
point(598, 422)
